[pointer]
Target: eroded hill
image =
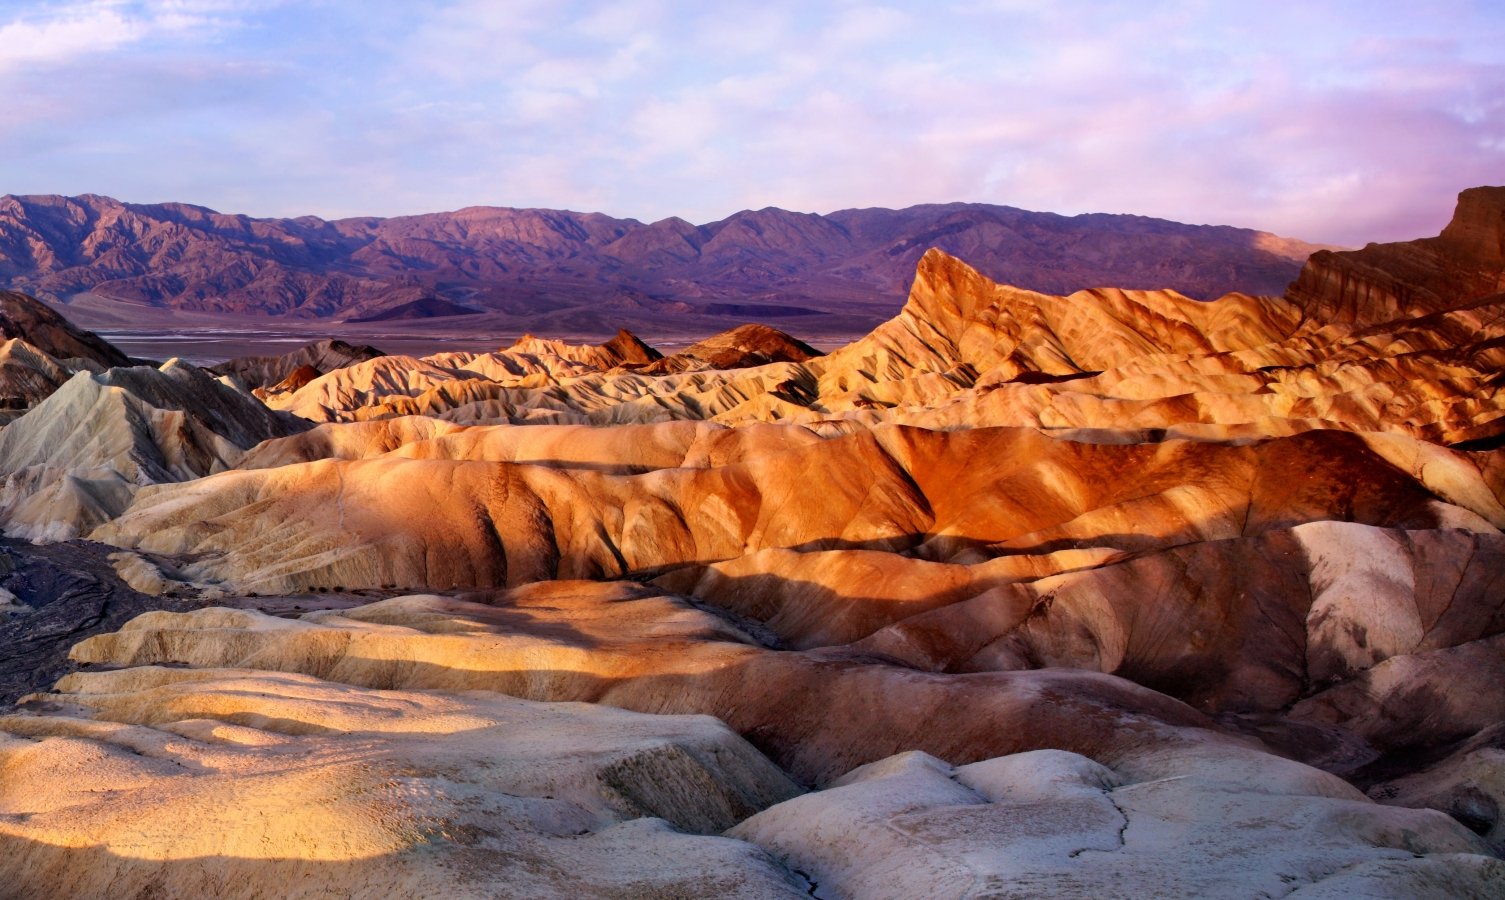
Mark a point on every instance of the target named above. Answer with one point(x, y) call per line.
point(1111, 593)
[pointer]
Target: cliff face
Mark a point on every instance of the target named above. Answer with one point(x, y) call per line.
point(1385, 282)
point(525, 261)
point(1478, 227)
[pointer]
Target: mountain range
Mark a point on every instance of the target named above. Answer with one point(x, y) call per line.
point(591, 271)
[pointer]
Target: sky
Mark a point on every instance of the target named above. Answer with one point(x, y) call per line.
point(1332, 121)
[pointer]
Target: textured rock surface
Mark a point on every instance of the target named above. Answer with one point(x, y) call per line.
point(27, 377)
point(1385, 282)
point(1111, 594)
point(944, 496)
point(78, 457)
point(247, 783)
point(1049, 823)
point(53, 597)
point(40, 350)
point(1132, 786)
point(1468, 784)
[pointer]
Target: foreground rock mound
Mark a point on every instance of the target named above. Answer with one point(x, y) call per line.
point(224, 782)
point(1148, 791)
point(1049, 823)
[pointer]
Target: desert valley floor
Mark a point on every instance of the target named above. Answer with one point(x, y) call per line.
point(1114, 594)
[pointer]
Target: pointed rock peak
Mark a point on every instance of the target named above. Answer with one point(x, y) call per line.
point(1478, 226)
point(937, 263)
point(947, 291)
point(937, 269)
point(627, 347)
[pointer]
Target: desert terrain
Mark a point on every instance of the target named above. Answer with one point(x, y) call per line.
point(1037, 588)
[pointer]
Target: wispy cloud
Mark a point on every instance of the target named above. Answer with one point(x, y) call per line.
point(66, 34)
point(1335, 121)
point(74, 32)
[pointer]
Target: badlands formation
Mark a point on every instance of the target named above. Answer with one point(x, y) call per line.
point(1118, 593)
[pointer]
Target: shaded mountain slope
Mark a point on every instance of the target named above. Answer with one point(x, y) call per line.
point(24, 318)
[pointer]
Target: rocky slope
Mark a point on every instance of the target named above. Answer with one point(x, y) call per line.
point(1115, 593)
point(40, 351)
point(523, 262)
point(22, 317)
point(78, 457)
point(469, 795)
point(1061, 780)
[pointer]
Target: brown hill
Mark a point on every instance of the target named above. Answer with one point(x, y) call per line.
point(320, 356)
point(738, 348)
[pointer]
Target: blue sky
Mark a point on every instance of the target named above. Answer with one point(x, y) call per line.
point(1333, 121)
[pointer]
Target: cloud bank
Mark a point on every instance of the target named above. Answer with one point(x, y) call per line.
point(1332, 121)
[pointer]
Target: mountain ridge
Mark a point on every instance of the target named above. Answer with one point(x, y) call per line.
point(524, 262)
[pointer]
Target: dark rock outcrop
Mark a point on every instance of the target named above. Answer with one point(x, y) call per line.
point(322, 356)
point(25, 318)
point(738, 348)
